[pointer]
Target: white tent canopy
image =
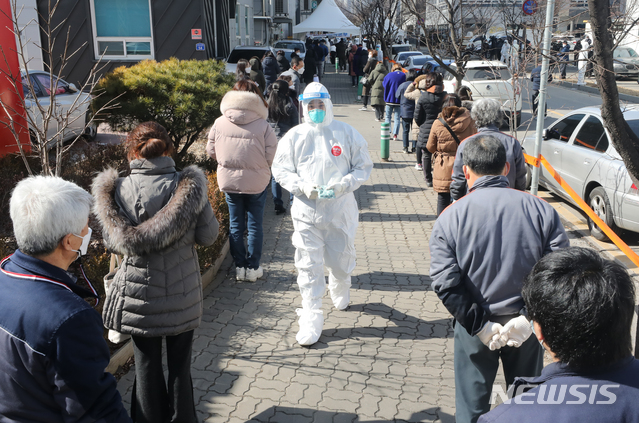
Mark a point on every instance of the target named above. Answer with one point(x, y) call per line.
point(327, 17)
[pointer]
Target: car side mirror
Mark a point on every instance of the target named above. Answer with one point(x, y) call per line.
point(544, 134)
point(72, 88)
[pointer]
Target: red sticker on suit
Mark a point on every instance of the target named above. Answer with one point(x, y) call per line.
point(336, 150)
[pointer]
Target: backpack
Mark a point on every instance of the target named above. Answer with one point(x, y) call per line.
point(578, 46)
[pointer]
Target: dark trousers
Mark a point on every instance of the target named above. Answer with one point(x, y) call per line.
point(427, 159)
point(365, 99)
point(476, 368)
point(379, 112)
point(443, 201)
point(535, 103)
point(354, 80)
point(276, 190)
point(562, 68)
point(406, 124)
point(418, 155)
point(155, 400)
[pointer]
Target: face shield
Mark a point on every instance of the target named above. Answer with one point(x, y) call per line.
point(317, 105)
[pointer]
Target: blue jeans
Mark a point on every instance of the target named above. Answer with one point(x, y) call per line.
point(276, 189)
point(395, 111)
point(406, 124)
point(241, 205)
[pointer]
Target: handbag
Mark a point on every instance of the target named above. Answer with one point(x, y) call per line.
point(449, 130)
point(364, 80)
point(116, 261)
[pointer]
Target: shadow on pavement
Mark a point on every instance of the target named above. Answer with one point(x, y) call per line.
point(386, 281)
point(278, 414)
point(395, 217)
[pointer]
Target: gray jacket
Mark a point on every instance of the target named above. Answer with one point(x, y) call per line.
point(154, 217)
point(483, 246)
point(514, 156)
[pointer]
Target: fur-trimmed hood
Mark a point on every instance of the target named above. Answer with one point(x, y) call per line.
point(242, 107)
point(165, 228)
point(458, 118)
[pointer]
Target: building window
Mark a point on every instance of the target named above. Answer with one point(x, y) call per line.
point(246, 20)
point(122, 29)
point(237, 19)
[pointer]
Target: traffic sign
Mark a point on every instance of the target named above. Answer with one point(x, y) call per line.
point(199, 47)
point(530, 7)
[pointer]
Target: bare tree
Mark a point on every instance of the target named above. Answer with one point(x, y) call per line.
point(379, 21)
point(47, 122)
point(623, 138)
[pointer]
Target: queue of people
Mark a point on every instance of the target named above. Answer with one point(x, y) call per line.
point(527, 293)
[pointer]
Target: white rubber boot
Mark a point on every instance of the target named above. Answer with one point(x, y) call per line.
point(340, 292)
point(311, 323)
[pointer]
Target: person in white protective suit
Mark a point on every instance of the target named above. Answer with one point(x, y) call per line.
point(322, 162)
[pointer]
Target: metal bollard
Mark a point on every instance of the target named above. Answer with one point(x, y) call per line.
point(385, 141)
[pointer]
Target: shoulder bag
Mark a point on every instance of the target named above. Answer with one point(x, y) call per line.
point(449, 130)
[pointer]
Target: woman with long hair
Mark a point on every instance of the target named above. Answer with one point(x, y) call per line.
point(244, 144)
point(242, 70)
point(282, 116)
point(452, 126)
point(154, 217)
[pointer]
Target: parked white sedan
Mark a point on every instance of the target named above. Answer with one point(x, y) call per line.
point(71, 104)
point(578, 146)
point(490, 79)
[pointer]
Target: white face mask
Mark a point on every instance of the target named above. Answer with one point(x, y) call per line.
point(85, 243)
point(301, 70)
point(247, 69)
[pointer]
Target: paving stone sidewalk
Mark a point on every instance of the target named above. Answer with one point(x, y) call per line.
point(388, 357)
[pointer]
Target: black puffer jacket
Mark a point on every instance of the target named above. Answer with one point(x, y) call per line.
point(281, 127)
point(271, 70)
point(427, 108)
point(283, 63)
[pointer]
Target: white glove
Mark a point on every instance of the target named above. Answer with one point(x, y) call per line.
point(338, 188)
point(490, 336)
point(309, 190)
point(517, 330)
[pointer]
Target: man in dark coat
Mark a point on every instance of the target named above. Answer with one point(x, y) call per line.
point(482, 247)
point(341, 54)
point(52, 350)
point(282, 62)
point(581, 307)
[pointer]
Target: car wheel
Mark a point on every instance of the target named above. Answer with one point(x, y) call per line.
point(91, 131)
point(599, 203)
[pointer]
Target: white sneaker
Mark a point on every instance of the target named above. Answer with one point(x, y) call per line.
point(311, 323)
point(240, 273)
point(254, 274)
point(418, 167)
point(364, 109)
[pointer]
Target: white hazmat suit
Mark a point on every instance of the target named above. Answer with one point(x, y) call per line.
point(311, 159)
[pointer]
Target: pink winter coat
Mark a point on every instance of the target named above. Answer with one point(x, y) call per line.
point(243, 144)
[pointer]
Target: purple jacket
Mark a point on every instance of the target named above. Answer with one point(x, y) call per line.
point(391, 82)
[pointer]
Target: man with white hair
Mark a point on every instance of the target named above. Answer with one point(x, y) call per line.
point(488, 118)
point(52, 352)
point(322, 162)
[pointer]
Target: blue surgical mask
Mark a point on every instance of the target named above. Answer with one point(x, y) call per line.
point(533, 329)
point(317, 115)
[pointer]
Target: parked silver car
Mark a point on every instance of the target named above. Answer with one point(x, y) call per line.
point(71, 105)
point(578, 146)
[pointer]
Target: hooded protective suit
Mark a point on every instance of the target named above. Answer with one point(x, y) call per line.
point(322, 163)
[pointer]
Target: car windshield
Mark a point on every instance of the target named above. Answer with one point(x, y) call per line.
point(290, 45)
point(236, 55)
point(621, 53)
point(487, 74)
point(408, 54)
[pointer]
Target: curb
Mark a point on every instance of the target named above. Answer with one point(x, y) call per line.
point(126, 351)
point(625, 94)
